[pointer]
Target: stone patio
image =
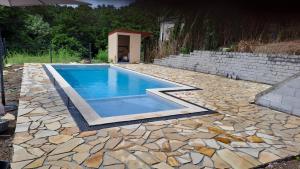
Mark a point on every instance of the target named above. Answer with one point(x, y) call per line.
point(241, 135)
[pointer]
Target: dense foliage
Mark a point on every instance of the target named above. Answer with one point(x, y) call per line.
point(199, 25)
point(36, 29)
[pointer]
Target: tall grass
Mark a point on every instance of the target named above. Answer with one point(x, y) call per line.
point(60, 56)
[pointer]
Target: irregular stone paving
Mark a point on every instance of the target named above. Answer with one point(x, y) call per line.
point(241, 135)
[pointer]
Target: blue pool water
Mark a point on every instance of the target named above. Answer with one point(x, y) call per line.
point(114, 91)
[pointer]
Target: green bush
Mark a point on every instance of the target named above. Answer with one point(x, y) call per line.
point(184, 50)
point(64, 41)
point(101, 57)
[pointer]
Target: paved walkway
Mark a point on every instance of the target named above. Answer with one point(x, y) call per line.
point(241, 135)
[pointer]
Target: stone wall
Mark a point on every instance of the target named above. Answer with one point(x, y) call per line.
point(284, 96)
point(263, 68)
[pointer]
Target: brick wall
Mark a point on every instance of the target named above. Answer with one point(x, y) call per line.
point(264, 68)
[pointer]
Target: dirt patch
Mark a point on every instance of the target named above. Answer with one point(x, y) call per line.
point(289, 47)
point(286, 163)
point(12, 80)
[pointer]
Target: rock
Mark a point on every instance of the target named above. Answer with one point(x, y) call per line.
point(233, 159)
point(22, 164)
point(124, 144)
point(97, 148)
point(70, 131)
point(212, 143)
point(147, 157)
point(190, 123)
point(129, 159)
point(251, 151)
point(207, 162)
point(184, 159)
point(64, 164)
point(174, 144)
point(87, 133)
point(216, 130)
point(196, 157)
point(162, 165)
point(139, 132)
point(36, 151)
point(20, 154)
point(160, 155)
point(112, 143)
point(98, 141)
point(45, 133)
point(38, 111)
point(156, 134)
point(173, 162)
point(152, 146)
point(24, 111)
point(189, 166)
point(35, 125)
point(223, 140)
point(102, 133)
point(36, 163)
point(218, 162)
point(83, 148)
point(67, 146)
point(9, 117)
point(174, 136)
point(37, 142)
point(204, 150)
point(137, 148)
point(22, 137)
point(169, 130)
point(267, 136)
point(266, 157)
point(117, 166)
point(94, 161)
point(250, 132)
point(255, 139)
point(165, 147)
point(58, 139)
point(154, 127)
point(201, 135)
point(59, 156)
point(108, 160)
point(80, 157)
point(47, 148)
point(196, 142)
point(23, 127)
point(251, 128)
point(249, 158)
point(53, 126)
point(230, 128)
point(239, 144)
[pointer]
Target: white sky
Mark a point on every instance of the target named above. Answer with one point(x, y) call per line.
point(116, 3)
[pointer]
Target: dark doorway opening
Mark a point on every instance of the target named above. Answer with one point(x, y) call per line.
point(123, 48)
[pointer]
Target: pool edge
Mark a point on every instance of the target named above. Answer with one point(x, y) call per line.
point(93, 119)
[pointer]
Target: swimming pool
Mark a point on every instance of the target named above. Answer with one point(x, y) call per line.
point(105, 93)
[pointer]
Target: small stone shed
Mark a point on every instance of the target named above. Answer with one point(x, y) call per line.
point(124, 46)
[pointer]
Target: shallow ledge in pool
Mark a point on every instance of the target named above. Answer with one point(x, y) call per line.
point(87, 119)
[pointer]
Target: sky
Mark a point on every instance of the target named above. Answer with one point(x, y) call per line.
point(116, 3)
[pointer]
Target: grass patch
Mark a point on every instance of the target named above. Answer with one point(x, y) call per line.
point(61, 56)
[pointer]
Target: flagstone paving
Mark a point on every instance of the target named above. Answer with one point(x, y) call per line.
point(240, 135)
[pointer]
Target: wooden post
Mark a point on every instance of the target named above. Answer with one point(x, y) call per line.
point(90, 52)
point(51, 57)
point(1, 71)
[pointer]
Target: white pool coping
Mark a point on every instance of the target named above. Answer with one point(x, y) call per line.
point(92, 118)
